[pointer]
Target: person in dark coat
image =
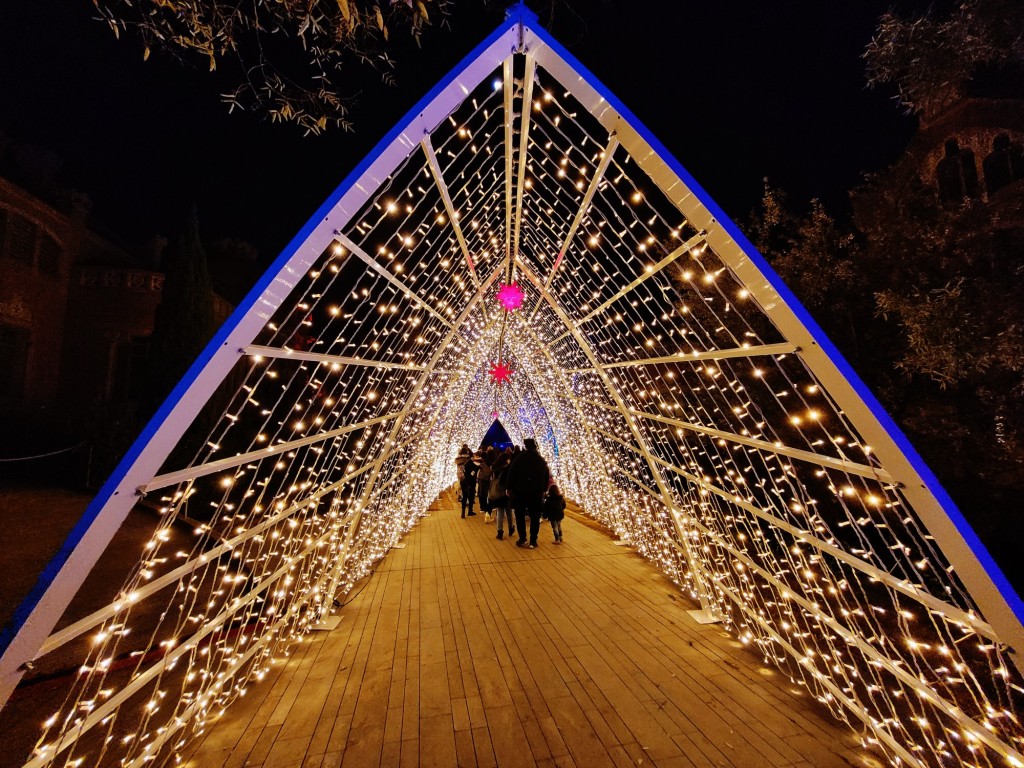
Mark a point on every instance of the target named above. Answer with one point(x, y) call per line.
point(497, 497)
point(527, 480)
point(485, 461)
point(466, 470)
point(554, 511)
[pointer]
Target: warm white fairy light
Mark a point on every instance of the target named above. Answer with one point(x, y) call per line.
point(707, 466)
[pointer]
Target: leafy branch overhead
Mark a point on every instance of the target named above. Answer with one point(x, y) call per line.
point(932, 59)
point(288, 59)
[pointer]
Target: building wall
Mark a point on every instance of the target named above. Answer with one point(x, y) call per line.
point(75, 315)
point(114, 308)
point(975, 124)
point(36, 246)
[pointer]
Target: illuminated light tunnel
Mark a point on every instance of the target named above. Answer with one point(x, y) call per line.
point(680, 393)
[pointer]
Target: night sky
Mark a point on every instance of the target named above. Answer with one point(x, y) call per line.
point(737, 91)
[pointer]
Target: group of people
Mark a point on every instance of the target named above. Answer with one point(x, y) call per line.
point(511, 485)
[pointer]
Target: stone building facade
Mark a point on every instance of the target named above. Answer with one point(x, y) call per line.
point(974, 149)
point(76, 313)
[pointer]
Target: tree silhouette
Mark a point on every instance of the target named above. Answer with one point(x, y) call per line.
point(184, 320)
point(931, 59)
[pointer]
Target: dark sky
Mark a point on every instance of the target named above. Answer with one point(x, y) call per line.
point(736, 90)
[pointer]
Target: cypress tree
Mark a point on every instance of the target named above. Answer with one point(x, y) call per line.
point(185, 318)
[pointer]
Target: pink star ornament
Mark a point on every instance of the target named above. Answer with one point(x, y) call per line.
point(500, 372)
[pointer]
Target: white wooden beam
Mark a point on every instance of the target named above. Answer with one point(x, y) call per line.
point(763, 350)
point(508, 94)
point(701, 580)
point(842, 465)
point(936, 605)
point(453, 216)
point(974, 566)
point(588, 197)
point(381, 270)
point(434, 359)
point(524, 145)
point(283, 353)
point(686, 247)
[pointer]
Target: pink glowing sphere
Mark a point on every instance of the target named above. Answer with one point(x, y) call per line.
point(510, 297)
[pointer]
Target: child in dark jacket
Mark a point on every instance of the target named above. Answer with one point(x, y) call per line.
point(554, 511)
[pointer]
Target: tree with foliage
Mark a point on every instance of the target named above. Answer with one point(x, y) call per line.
point(184, 320)
point(816, 257)
point(926, 299)
point(931, 59)
point(289, 57)
point(951, 284)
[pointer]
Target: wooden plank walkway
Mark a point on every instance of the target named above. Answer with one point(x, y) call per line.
point(462, 650)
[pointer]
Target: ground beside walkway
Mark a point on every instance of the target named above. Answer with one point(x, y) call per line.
point(35, 523)
point(462, 650)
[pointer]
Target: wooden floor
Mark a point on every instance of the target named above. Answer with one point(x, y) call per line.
point(462, 650)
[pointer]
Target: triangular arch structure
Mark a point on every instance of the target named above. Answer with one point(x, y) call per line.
point(696, 408)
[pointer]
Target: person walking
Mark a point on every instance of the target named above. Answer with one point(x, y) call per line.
point(483, 482)
point(498, 498)
point(466, 470)
point(527, 479)
point(554, 511)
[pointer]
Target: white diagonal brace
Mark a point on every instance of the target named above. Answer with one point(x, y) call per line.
point(991, 591)
point(508, 84)
point(201, 470)
point(38, 614)
point(258, 350)
point(183, 717)
point(70, 632)
point(648, 273)
point(373, 264)
point(139, 680)
point(581, 212)
point(850, 467)
point(701, 580)
point(936, 605)
point(583, 422)
point(870, 652)
point(763, 350)
point(855, 708)
point(595, 182)
point(441, 349)
point(453, 219)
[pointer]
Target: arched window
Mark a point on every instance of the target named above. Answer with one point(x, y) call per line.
point(1004, 164)
point(956, 174)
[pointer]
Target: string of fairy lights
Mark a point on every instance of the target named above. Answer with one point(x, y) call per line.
point(668, 404)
